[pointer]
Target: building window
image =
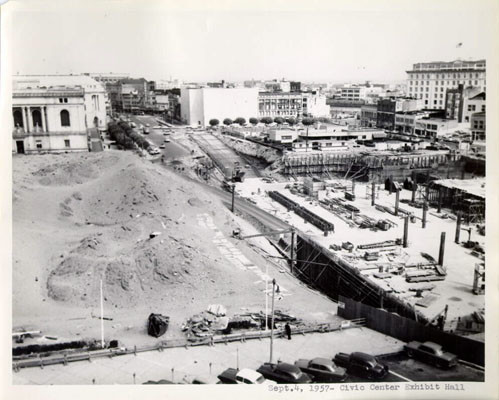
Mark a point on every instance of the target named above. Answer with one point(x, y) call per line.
point(38, 144)
point(65, 118)
point(471, 107)
point(18, 119)
point(65, 99)
point(483, 108)
point(60, 100)
point(67, 143)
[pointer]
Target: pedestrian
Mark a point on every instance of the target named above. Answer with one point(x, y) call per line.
point(287, 328)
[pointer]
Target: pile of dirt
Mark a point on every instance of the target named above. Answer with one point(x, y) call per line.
point(268, 154)
point(125, 205)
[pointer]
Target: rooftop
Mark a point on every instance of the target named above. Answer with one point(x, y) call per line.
point(475, 187)
point(21, 82)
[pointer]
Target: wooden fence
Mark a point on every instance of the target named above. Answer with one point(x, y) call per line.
point(406, 330)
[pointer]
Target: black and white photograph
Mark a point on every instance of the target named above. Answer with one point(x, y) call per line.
point(294, 195)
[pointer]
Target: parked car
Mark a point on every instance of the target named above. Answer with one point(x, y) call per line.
point(162, 146)
point(431, 353)
point(243, 376)
point(322, 370)
point(146, 130)
point(361, 364)
point(284, 373)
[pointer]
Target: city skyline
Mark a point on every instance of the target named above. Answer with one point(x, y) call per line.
point(340, 44)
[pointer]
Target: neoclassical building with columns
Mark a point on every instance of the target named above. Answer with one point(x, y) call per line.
point(56, 113)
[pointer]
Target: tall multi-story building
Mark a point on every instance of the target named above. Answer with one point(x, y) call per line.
point(292, 104)
point(285, 105)
point(199, 105)
point(430, 81)
point(53, 113)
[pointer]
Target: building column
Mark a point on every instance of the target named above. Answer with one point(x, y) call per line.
point(42, 111)
point(25, 126)
point(47, 129)
point(28, 116)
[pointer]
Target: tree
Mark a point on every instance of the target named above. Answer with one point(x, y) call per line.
point(291, 121)
point(214, 122)
point(307, 121)
point(266, 120)
point(253, 121)
point(228, 121)
point(240, 121)
point(278, 120)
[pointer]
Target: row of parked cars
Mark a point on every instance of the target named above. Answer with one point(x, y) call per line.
point(325, 370)
point(319, 369)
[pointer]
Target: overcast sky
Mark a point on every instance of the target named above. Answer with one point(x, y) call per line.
point(311, 41)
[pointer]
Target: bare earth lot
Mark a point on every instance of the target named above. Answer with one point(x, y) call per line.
point(80, 218)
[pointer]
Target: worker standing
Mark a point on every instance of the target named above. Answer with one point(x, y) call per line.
point(287, 328)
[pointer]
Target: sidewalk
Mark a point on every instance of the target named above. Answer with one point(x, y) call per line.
point(196, 361)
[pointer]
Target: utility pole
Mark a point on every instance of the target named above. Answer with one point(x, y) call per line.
point(272, 320)
point(101, 316)
point(233, 196)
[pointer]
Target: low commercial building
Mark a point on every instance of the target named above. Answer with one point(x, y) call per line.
point(336, 132)
point(474, 104)
point(201, 104)
point(369, 115)
point(284, 136)
point(461, 102)
point(387, 108)
point(478, 126)
point(435, 127)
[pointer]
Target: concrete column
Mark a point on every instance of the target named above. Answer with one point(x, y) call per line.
point(406, 232)
point(397, 200)
point(425, 209)
point(442, 249)
point(373, 193)
point(42, 111)
point(458, 227)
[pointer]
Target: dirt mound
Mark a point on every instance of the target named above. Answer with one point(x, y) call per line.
point(70, 169)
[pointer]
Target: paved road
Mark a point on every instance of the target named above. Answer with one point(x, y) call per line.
point(418, 371)
point(221, 154)
point(172, 150)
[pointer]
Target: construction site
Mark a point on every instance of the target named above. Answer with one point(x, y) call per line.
point(416, 250)
point(380, 165)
